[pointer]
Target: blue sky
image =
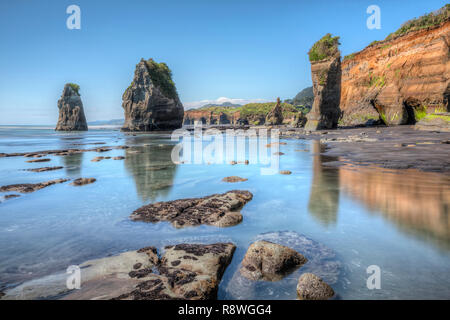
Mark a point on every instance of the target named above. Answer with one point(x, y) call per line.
point(244, 49)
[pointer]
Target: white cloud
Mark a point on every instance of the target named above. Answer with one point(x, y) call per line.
point(198, 104)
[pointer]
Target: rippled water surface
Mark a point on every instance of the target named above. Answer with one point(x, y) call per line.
point(397, 220)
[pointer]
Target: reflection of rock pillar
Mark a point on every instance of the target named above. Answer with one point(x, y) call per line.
point(152, 170)
point(324, 195)
point(73, 163)
point(326, 77)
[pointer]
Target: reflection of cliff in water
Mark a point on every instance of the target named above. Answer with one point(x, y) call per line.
point(324, 195)
point(73, 163)
point(152, 170)
point(417, 202)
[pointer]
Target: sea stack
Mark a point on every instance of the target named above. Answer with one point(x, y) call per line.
point(326, 76)
point(71, 112)
point(275, 116)
point(151, 102)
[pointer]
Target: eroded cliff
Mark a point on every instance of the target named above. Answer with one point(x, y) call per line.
point(397, 81)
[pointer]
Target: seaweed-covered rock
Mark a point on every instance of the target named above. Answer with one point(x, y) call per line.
point(269, 261)
point(220, 210)
point(71, 112)
point(151, 102)
point(187, 272)
point(311, 287)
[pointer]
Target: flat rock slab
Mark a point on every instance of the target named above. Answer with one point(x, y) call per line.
point(44, 169)
point(234, 179)
point(39, 160)
point(30, 187)
point(83, 181)
point(269, 261)
point(185, 271)
point(321, 261)
point(220, 210)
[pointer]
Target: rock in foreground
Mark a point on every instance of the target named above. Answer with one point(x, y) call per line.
point(186, 271)
point(269, 261)
point(151, 102)
point(71, 112)
point(30, 187)
point(220, 210)
point(311, 287)
point(321, 261)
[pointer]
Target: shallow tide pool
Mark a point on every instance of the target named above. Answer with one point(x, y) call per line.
point(397, 220)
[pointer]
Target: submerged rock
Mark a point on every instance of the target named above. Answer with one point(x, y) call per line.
point(321, 261)
point(269, 261)
point(311, 287)
point(83, 181)
point(30, 187)
point(71, 112)
point(234, 179)
point(151, 102)
point(220, 210)
point(275, 116)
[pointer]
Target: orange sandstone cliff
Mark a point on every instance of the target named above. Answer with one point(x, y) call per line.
point(397, 81)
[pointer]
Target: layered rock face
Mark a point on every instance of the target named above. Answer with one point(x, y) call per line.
point(398, 81)
point(326, 77)
point(151, 101)
point(71, 112)
point(275, 117)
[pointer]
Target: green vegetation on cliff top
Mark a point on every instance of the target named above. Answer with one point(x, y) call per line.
point(74, 87)
point(161, 76)
point(324, 48)
point(254, 109)
point(426, 21)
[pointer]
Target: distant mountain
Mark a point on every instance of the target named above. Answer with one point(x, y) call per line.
point(225, 104)
point(304, 97)
point(113, 122)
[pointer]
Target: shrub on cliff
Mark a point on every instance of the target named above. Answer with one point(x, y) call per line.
point(75, 87)
point(429, 20)
point(161, 76)
point(324, 48)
